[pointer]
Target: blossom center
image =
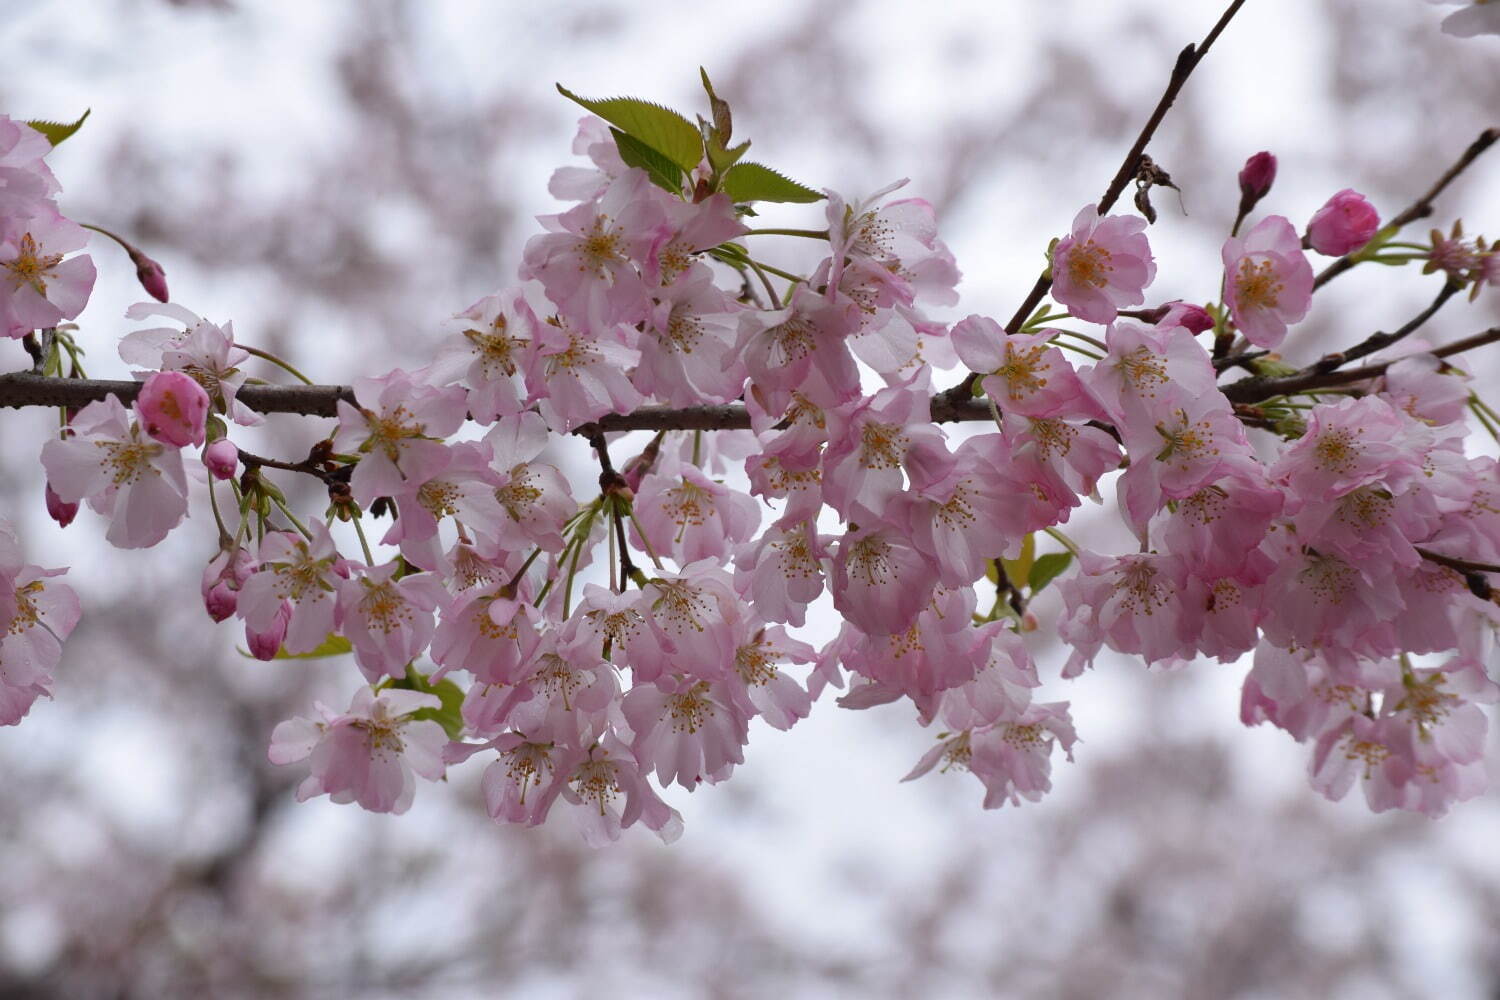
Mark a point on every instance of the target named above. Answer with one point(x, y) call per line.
point(1090, 265)
point(1257, 286)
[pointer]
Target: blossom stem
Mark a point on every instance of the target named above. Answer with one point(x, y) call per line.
point(364, 543)
point(1065, 541)
point(278, 362)
point(281, 505)
point(213, 503)
point(812, 234)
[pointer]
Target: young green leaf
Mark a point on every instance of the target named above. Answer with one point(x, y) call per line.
point(1047, 568)
point(754, 182)
point(334, 645)
point(723, 121)
point(56, 132)
point(664, 173)
point(1017, 570)
point(663, 129)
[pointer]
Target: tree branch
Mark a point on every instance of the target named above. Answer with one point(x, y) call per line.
point(1260, 387)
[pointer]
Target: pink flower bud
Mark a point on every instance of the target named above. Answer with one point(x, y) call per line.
point(152, 278)
point(222, 578)
point(220, 602)
point(61, 512)
point(1256, 178)
point(173, 408)
point(1193, 318)
point(221, 458)
point(264, 645)
point(1344, 224)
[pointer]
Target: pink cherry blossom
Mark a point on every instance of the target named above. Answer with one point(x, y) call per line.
point(1103, 264)
point(38, 286)
point(388, 621)
point(576, 377)
point(1344, 224)
point(687, 731)
point(40, 613)
point(687, 516)
point(203, 350)
point(1012, 759)
point(398, 430)
point(881, 582)
point(1024, 373)
point(489, 346)
point(369, 754)
point(589, 257)
point(137, 483)
point(1268, 282)
point(302, 574)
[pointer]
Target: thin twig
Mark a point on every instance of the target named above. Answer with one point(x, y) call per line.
point(1187, 61)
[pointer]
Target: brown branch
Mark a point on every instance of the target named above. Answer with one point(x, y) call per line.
point(1379, 341)
point(25, 389)
point(1422, 207)
point(1260, 387)
point(1187, 61)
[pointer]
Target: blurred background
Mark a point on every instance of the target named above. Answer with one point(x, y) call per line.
point(338, 178)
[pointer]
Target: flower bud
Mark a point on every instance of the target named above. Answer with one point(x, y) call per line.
point(149, 273)
point(1256, 178)
point(221, 459)
point(222, 579)
point(1195, 319)
point(1344, 224)
point(60, 511)
point(173, 408)
point(265, 645)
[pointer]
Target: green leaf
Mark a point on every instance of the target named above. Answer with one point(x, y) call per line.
point(1017, 569)
point(334, 645)
point(450, 714)
point(663, 129)
point(1046, 569)
point(56, 132)
point(754, 182)
point(664, 173)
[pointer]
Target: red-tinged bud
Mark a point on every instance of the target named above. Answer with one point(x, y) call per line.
point(265, 645)
point(1343, 225)
point(1256, 178)
point(151, 276)
point(62, 513)
point(222, 459)
point(1193, 318)
point(221, 601)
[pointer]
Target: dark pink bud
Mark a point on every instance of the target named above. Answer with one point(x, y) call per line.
point(1344, 224)
point(221, 459)
point(152, 278)
point(62, 513)
point(1184, 314)
point(1256, 178)
point(265, 645)
point(220, 602)
point(173, 408)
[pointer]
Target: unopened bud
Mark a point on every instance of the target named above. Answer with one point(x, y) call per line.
point(1256, 178)
point(151, 276)
point(221, 459)
point(265, 645)
point(1195, 319)
point(1343, 225)
point(59, 510)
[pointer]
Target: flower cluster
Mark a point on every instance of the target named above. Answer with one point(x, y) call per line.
point(592, 649)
